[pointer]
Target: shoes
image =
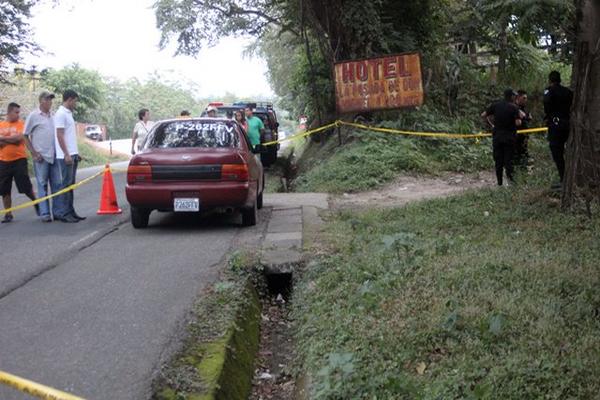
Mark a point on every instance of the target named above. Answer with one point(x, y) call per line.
point(77, 216)
point(46, 218)
point(7, 218)
point(67, 219)
point(37, 209)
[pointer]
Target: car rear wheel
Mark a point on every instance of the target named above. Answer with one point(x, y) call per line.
point(259, 199)
point(139, 217)
point(250, 215)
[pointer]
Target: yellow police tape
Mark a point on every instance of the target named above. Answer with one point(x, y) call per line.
point(297, 136)
point(62, 191)
point(34, 389)
point(401, 132)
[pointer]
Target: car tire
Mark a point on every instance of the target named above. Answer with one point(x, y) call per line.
point(250, 215)
point(259, 201)
point(139, 217)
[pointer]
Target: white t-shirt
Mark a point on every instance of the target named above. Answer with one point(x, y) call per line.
point(64, 119)
point(142, 130)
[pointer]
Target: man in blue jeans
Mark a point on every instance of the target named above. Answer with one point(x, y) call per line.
point(39, 138)
point(67, 155)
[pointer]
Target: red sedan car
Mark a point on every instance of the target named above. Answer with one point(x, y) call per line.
point(192, 165)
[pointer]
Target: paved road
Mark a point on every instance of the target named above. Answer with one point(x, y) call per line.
point(94, 308)
point(122, 146)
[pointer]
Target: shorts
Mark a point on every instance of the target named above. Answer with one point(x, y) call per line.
point(16, 170)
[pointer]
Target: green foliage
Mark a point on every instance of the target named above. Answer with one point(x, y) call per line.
point(88, 84)
point(15, 33)
point(487, 295)
point(371, 159)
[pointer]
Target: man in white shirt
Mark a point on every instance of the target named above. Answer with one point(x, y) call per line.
point(67, 155)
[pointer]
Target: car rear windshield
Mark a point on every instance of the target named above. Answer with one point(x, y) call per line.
point(208, 134)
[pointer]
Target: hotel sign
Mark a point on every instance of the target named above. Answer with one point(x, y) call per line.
point(379, 83)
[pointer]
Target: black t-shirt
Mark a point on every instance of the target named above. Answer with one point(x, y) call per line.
point(505, 114)
point(557, 102)
point(525, 121)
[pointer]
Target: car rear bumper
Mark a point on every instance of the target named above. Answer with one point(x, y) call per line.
point(161, 195)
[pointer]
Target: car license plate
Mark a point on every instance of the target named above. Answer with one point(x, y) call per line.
point(186, 205)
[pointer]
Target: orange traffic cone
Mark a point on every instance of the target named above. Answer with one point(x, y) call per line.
point(108, 197)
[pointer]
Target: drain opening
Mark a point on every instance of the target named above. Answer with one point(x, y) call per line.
point(279, 283)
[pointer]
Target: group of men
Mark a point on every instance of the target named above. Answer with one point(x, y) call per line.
point(51, 139)
point(509, 115)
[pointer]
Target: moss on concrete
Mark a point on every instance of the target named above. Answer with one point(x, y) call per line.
point(221, 366)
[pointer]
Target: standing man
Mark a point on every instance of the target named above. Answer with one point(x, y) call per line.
point(557, 106)
point(521, 157)
point(39, 138)
point(256, 128)
point(504, 117)
point(67, 155)
point(141, 130)
point(13, 159)
point(211, 112)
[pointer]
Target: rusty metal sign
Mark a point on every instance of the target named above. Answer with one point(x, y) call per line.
point(382, 83)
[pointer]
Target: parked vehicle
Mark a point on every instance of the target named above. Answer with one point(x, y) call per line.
point(193, 165)
point(264, 111)
point(94, 132)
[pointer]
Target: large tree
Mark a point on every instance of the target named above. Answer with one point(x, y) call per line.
point(15, 34)
point(582, 179)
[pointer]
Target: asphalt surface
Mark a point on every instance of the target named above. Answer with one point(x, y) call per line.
point(94, 308)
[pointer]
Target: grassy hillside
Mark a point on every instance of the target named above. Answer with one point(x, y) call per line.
point(488, 295)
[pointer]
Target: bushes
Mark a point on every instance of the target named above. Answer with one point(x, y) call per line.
point(370, 159)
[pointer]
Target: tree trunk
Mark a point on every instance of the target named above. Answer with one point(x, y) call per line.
point(503, 50)
point(582, 174)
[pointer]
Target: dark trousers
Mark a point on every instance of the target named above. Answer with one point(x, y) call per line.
point(503, 158)
point(557, 138)
point(521, 153)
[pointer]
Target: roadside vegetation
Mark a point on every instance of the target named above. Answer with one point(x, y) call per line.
point(92, 156)
point(489, 295)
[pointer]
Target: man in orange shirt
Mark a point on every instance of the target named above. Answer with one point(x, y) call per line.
point(13, 159)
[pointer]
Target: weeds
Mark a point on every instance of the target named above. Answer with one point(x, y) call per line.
point(488, 295)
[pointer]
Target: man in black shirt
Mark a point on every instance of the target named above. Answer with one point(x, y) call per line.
point(521, 156)
point(504, 117)
point(557, 106)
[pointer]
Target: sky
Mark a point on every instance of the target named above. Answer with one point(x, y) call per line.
point(119, 38)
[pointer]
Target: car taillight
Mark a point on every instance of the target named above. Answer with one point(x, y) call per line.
point(139, 173)
point(234, 172)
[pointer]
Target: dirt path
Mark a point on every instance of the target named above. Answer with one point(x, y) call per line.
point(413, 188)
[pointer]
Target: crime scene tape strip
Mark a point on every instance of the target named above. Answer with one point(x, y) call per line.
point(62, 191)
point(34, 389)
point(401, 132)
point(302, 134)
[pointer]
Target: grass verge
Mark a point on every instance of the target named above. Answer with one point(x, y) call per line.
point(217, 359)
point(91, 156)
point(367, 160)
point(488, 295)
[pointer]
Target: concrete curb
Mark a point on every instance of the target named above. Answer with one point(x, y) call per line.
point(225, 365)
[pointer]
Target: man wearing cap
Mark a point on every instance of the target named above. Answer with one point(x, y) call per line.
point(39, 138)
point(557, 106)
point(13, 159)
point(504, 117)
point(211, 111)
point(67, 156)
